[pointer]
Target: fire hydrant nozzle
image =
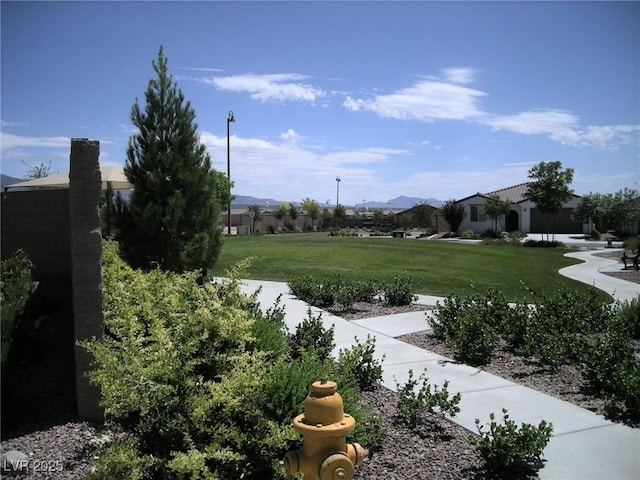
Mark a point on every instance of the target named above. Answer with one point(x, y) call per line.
point(325, 455)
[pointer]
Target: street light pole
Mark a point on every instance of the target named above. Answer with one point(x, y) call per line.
point(230, 119)
point(335, 211)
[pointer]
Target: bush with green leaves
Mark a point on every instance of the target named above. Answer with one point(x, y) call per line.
point(469, 325)
point(399, 291)
point(16, 286)
point(336, 290)
point(418, 396)
point(358, 362)
point(198, 381)
point(508, 449)
point(312, 336)
point(176, 372)
point(629, 313)
point(559, 325)
point(610, 364)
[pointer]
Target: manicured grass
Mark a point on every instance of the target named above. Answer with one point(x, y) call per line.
point(437, 268)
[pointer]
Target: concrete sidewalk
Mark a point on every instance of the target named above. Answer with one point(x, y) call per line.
point(584, 445)
point(589, 272)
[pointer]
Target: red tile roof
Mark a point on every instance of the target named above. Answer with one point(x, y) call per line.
point(514, 194)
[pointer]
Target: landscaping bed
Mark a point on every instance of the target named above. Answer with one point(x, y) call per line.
point(439, 449)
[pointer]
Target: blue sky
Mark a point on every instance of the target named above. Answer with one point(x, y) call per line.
point(425, 99)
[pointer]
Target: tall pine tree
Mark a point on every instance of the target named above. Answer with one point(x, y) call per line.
point(171, 220)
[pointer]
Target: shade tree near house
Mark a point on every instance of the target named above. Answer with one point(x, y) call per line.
point(312, 209)
point(494, 208)
point(453, 213)
point(549, 188)
point(618, 211)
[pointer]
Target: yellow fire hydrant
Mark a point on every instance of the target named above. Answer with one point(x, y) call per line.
point(325, 454)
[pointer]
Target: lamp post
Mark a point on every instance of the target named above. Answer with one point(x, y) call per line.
point(230, 119)
point(335, 211)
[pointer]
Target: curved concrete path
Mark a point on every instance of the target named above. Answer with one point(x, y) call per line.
point(589, 272)
point(584, 445)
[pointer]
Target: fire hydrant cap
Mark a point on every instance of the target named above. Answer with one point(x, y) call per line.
point(336, 467)
point(324, 387)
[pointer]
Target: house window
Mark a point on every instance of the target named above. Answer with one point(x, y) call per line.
point(477, 215)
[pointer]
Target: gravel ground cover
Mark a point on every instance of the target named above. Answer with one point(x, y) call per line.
point(47, 430)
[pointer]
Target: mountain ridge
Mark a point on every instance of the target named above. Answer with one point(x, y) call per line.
point(401, 201)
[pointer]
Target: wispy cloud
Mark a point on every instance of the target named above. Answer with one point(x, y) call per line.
point(263, 167)
point(558, 125)
point(9, 141)
point(426, 100)
point(462, 75)
point(202, 69)
point(446, 98)
point(280, 87)
point(6, 123)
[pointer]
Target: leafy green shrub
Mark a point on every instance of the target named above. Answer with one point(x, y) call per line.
point(467, 234)
point(559, 325)
point(310, 335)
point(16, 286)
point(631, 243)
point(612, 368)
point(428, 398)
point(288, 381)
point(269, 330)
point(469, 325)
point(630, 316)
point(530, 242)
point(177, 373)
point(399, 291)
point(123, 460)
point(358, 362)
point(334, 290)
point(507, 448)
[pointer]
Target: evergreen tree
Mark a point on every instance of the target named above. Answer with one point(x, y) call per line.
point(171, 220)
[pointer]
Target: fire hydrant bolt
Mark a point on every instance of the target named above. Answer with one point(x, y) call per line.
point(324, 426)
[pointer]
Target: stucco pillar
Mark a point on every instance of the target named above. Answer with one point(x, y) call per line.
point(86, 248)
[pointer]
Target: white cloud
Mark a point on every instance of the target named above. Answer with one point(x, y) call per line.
point(610, 136)
point(564, 128)
point(264, 168)
point(6, 123)
point(280, 87)
point(557, 124)
point(290, 136)
point(462, 75)
point(426, 101)
point(9, 141)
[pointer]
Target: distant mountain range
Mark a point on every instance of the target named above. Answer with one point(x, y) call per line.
point(398, 202)
point(6, 180)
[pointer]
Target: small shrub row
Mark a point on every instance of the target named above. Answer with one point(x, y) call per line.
point(338, 291)
point(567, 328)
point(427, 398)
point(507, 450)
point(530, 242)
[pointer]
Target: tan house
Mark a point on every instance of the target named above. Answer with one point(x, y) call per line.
point(523, 214)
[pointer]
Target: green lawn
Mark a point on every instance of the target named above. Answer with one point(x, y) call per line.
point(437, 268)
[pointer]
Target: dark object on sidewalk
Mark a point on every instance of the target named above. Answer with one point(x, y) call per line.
point(630, 255)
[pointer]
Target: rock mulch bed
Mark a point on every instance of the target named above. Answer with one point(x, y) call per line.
point(439, 449)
